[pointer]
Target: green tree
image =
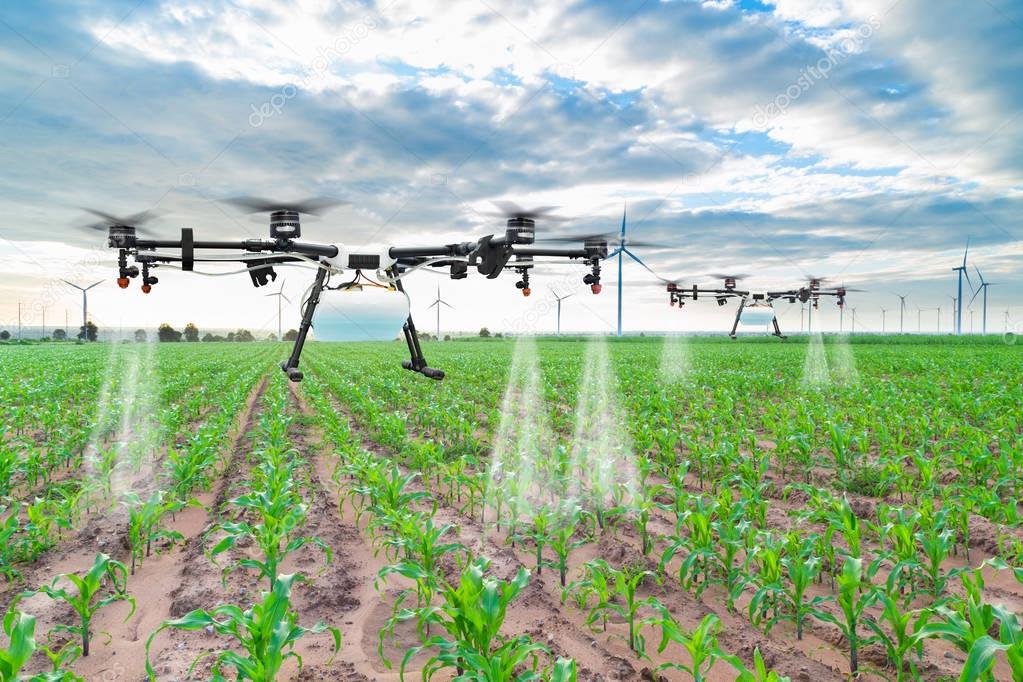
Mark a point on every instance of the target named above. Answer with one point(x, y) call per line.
point(291, 335)
point(485, 333)
point(59, 335)
point(4, 335)
point(90, 332)
point(141, 336)
point(191, 332)
point(243, 336)
point(167, 333)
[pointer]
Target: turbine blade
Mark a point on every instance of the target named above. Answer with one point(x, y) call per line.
point(613, 253)
point(93, 285)
point(448, 305)
point(966, 251)
point(624, 208)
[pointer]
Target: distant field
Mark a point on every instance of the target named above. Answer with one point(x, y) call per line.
point(627, 494)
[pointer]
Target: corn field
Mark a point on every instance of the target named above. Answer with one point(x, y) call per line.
point(571, 509)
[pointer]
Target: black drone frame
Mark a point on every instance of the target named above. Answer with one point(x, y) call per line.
point(811, 293)
point(490, 255)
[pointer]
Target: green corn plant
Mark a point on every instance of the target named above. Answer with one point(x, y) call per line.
point(855, 595)
point(594, 584)
point(561, 541)
point(20, 630)
point(642, 510)
point(276, 534)
point(759, 672)
point(105, 583)
point(983, 652)
point(624, 600)
point(789, 596)
point(964, 621)
point(145, 523)
point(471, 615)
point(937, 546)
point(540, 532)
point(701, 644)
point(423, 553)
point(266, 634)
point(899, 638)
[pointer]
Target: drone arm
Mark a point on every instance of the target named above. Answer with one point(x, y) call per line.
point(552, 252)
point(248, 245)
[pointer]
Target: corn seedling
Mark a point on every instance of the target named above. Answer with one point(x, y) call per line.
point(266, 634)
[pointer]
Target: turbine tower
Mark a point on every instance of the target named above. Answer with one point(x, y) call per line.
point(85, 305)
point(962, 272)
point(983, 287)
point(437, 304)
point(559, 299)
point(902, 313)
point(280, 295)
point(884, 318)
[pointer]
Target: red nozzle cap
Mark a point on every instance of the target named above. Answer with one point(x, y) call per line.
point(146, 288)
point(122, 282)
point(527, 291)
point(595, 288)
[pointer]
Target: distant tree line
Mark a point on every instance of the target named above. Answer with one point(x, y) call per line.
point(167, 334)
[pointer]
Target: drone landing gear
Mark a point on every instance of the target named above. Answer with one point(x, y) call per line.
point(738, 316)
point(417, 363)
point(777, 329)
point(290, 366)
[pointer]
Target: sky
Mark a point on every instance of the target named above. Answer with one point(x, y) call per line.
point(861, 140)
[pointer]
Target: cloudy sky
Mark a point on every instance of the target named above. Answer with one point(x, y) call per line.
point(861, 140)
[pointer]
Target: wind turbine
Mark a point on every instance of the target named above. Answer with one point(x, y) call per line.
point(955, 302)
point(559, 300)
point(1006, 319)
point(280, 295)
point(621, 251)
point(902, 313)
point(983, 287)
point(438, 303)
point(962, 272)
point(884, 318)
point(85, 304)
point(852, 327)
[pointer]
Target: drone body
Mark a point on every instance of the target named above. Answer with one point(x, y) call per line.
point(755, 307)
point(489, 255)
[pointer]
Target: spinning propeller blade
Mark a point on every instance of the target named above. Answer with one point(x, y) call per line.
point(107, 220)
point(311, 206)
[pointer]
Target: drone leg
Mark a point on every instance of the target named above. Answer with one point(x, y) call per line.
point(738, 314)
point(777, 329)
point(417, 363)
point(290, 366)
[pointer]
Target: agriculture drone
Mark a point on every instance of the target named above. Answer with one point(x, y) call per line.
point(490, 255)
point(755, 307)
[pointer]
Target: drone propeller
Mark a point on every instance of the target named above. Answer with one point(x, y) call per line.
point(717, 275)
point(108, 220)
point(613, 239)
point(311, 206)
point(509, 210)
